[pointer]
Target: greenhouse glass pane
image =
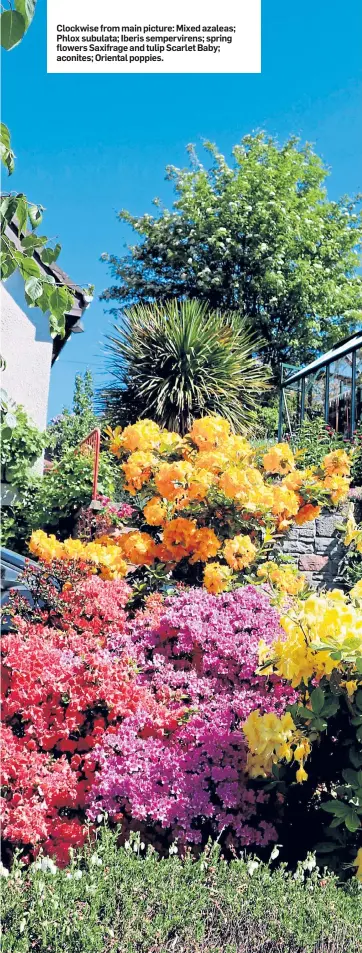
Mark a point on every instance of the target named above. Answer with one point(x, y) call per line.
point(315, 389)
point(340, 381)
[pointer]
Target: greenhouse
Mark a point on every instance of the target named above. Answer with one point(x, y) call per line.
point(331, 386)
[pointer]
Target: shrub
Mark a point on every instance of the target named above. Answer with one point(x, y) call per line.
point(208, 505)
point(137, 718)
point(127, 900)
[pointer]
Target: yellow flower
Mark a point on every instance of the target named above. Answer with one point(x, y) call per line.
point(337, 486)
point(239, 552)
point(138, 470)
point(350, 686)
point(210, 432)
point(301, 775)
point(357, 862)
point(285, 578)
point(144, 435)
point(216, 577)
point(285, 501)
point(356, 592)
point(279, 459)
point(337, 463)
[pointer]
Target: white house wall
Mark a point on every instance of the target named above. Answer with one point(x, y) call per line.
point(26, 346)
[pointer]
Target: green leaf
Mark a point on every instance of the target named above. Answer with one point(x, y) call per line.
point(35, 215)
point(352, 821)
point(27, 9)
point(33, 241)
point(22, 214)
point(49, 255)
point(60, 301)
point(335, 807)
point(34, 288)
point(4, 135)
point(317, 700)
point(12, 27)
point(29, 268)
point(351, 777)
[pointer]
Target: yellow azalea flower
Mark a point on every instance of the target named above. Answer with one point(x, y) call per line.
point(144, 435)
point(285, 501)
point(239, 552)
point(209, 433)
point(357, 862)
point(337, 487)
point(356, 592)
point(351, 529)
point(301, 775)
point(279, 459)
point(216, 577)
point(350, 686)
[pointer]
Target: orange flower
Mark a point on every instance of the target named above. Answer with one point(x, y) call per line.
point(205, 545)
point(306, 513)
point(216, 577)
point(337, 463)
point(155, 512)
point(138, 470)
point(279, 459)
point(178, 537)
point(172, 479)
point(210, 432)
point(139, 548)
point(239, 552)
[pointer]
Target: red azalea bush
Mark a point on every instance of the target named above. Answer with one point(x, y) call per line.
point(139, 719)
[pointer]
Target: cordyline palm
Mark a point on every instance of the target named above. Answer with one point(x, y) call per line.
point(178, 361)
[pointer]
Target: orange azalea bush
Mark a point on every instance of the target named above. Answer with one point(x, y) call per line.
point(208, 507)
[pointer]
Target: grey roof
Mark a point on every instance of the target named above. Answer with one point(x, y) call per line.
point(60, 276)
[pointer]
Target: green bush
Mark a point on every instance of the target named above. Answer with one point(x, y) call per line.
point(314, 440)
point(51, 502)
point(114, 900)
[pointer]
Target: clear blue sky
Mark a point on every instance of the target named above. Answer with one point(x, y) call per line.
point(88, 146)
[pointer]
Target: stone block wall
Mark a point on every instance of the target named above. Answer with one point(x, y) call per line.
point(317, 548)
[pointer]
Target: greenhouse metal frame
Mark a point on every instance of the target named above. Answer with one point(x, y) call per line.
point(331, 386)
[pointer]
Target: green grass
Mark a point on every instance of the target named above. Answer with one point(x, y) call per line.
point(114, 900)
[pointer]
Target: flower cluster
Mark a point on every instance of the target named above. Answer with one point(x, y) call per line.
point(199, 650)
point(139, 718)
point(205, 500)
point(272, 739)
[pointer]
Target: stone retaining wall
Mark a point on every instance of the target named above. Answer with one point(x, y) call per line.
point(317, 548)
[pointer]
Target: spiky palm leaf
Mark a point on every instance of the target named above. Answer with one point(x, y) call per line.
point(178, 361)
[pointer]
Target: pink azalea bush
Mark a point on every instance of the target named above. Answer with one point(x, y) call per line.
point(198, 651)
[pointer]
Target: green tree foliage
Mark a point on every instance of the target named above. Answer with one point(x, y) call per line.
point(178, 361)
point(67, 430)
point(259, 237)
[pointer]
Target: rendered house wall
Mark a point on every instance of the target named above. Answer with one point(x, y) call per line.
point(26, 346)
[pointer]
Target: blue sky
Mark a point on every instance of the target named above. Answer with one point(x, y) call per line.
point(88, 146)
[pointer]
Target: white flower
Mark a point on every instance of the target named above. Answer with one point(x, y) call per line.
point(46, 864)
point(251, 867)
point(275, 853)
point(3, 870)
point(78, 875)
point(95, 860)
